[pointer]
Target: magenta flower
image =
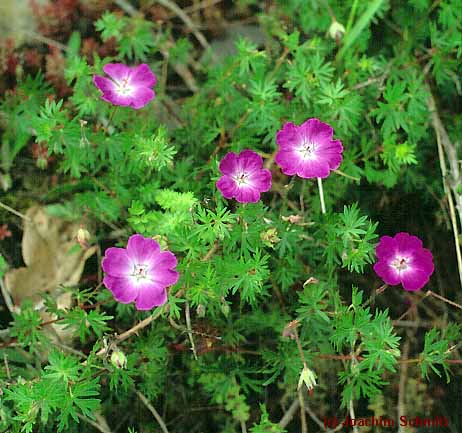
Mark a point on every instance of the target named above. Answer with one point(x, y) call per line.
point(244, 177)
point(127, 86)
point(140, 273)
point(308, 150)
point(402, 259)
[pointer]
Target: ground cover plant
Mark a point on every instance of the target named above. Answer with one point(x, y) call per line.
point(223, 216)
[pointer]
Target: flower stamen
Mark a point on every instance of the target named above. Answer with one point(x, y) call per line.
point(400, 263)
point(241, 178)
point(306, 150)
point(140, 272)
point(123, 87)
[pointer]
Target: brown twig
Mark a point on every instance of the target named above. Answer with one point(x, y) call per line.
point(202, 5)
point(442, 298)
point(7, 368)
point(210, 252)
point(97, 425)
point(321, 425)
point(402, 384)
point(289, 413)
point(15, 212)
point(188, 328)
point(151, 409)
point(451, 180)
point(183, 17)
point(302, 411)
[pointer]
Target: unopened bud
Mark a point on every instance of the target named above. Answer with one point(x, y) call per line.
point(225, 309)
point(118, 359)
point(83, 235)
point(336, 31)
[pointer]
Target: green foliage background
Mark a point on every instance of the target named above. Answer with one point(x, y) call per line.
point(244, 269)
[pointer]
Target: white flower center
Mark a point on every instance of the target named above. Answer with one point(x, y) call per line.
point(241, 178)
point(140, 272)
point(123, 88)
point(306, 150)
point(400, 263)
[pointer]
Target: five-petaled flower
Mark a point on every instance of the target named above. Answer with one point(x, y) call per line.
point(244, 177)
point(308, 150)
point(127, 86)
point(402, 259)
point(139, 273)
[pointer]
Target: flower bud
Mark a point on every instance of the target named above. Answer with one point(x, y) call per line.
point(118, 359)
point(336, 31)
point(83, 236)
point(225, 309)
point(6, 181)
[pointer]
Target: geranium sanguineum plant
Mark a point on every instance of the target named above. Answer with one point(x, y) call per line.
point(139, 273)
point(308, 151)
point(126, 86)
point(403, 259)
point(244, 177)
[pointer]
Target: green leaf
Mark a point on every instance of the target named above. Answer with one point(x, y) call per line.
point(373, 7)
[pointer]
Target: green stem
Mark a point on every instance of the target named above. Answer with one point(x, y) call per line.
point(351, 17)
point(111, 117)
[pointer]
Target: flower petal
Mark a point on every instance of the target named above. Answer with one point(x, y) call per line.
point(407, 244)
point(386, 247)
point(142, 250)
point(116, 262)
point(229, 164)
point(117, 71)
point(261, 180)
point(317, 132)
point(165, 277)
point(332, 153)
point(289, 162)
point(115, 98)
point(313, 168)
point(388, 273)
point(250, 161)
point(165, 260)
point(227, 186)
point(288, 137)
point(141, 96)
point(151, 295)
point(414, 278)
point(142, 76)
point(247, 194)
point(104, 84)
point(123, 289)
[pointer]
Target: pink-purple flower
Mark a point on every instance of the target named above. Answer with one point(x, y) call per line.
point(244, 177)
point(141, 272)
point(127, 86)
point(308, 150)
point(403, 259)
